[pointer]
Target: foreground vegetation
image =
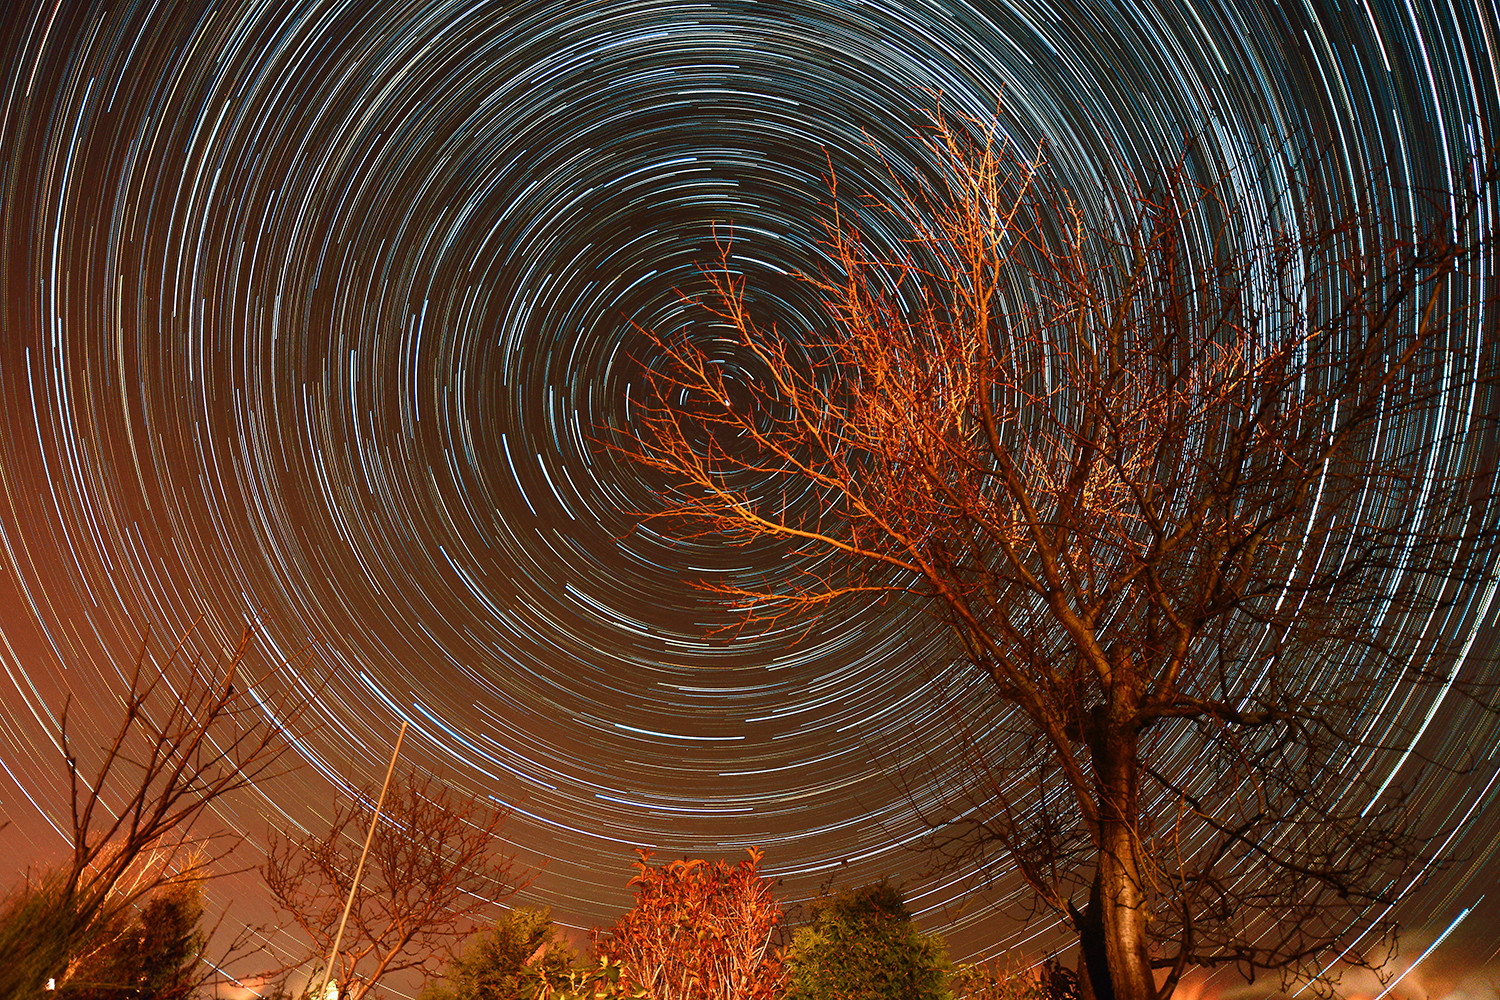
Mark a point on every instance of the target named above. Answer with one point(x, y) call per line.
point(1151, 458)
point(703, 931)
point(122, 917)
point(698, 931)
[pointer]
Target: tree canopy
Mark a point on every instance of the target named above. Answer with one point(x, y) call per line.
point(1177, 462)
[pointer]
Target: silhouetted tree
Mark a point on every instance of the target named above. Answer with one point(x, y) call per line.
point(1175, 464)
point(188, 736)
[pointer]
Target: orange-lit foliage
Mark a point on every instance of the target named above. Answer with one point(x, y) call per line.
point(698, 931)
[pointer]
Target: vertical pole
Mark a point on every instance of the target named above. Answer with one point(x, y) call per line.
point(359, 870)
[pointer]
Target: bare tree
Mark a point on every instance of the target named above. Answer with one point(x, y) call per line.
point(434, 876)
point(189, 735)
point(1175, 467)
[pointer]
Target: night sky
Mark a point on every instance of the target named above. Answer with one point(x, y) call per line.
point(315, 315)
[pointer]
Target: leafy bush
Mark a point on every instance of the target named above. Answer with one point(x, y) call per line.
point(863, 945)
point(697, 931)
point(145, 949)
point(602, 982)
point(149, 955)
point(522, 957)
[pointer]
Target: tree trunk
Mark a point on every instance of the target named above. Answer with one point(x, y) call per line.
point(1120, 876)
point(1123, 903)
point(1093, 958)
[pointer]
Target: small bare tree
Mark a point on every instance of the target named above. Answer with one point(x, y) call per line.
point(1179, 472)
point(434, 876)
point(189, 735)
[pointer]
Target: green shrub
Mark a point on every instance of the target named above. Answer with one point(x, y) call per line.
point(149, 954)
point(118, 950)
point(523, 957)
point(863, 945)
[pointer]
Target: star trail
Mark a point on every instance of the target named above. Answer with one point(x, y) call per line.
point(316, 314)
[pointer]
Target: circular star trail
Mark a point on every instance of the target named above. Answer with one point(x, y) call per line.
point(316, 315)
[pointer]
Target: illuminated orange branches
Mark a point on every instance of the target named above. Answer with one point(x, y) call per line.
point(698, 931)
point(1169, 458)
point(434, 873)
point(995, 384)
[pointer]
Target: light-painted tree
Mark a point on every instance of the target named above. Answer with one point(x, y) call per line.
point(1174, 462)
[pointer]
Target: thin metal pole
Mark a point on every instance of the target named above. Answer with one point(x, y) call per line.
point(359, 870)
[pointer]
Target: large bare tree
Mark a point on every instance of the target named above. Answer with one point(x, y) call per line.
point(435, 875)
point(1176, 463)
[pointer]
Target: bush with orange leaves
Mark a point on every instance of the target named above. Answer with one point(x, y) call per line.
point(698, 931)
